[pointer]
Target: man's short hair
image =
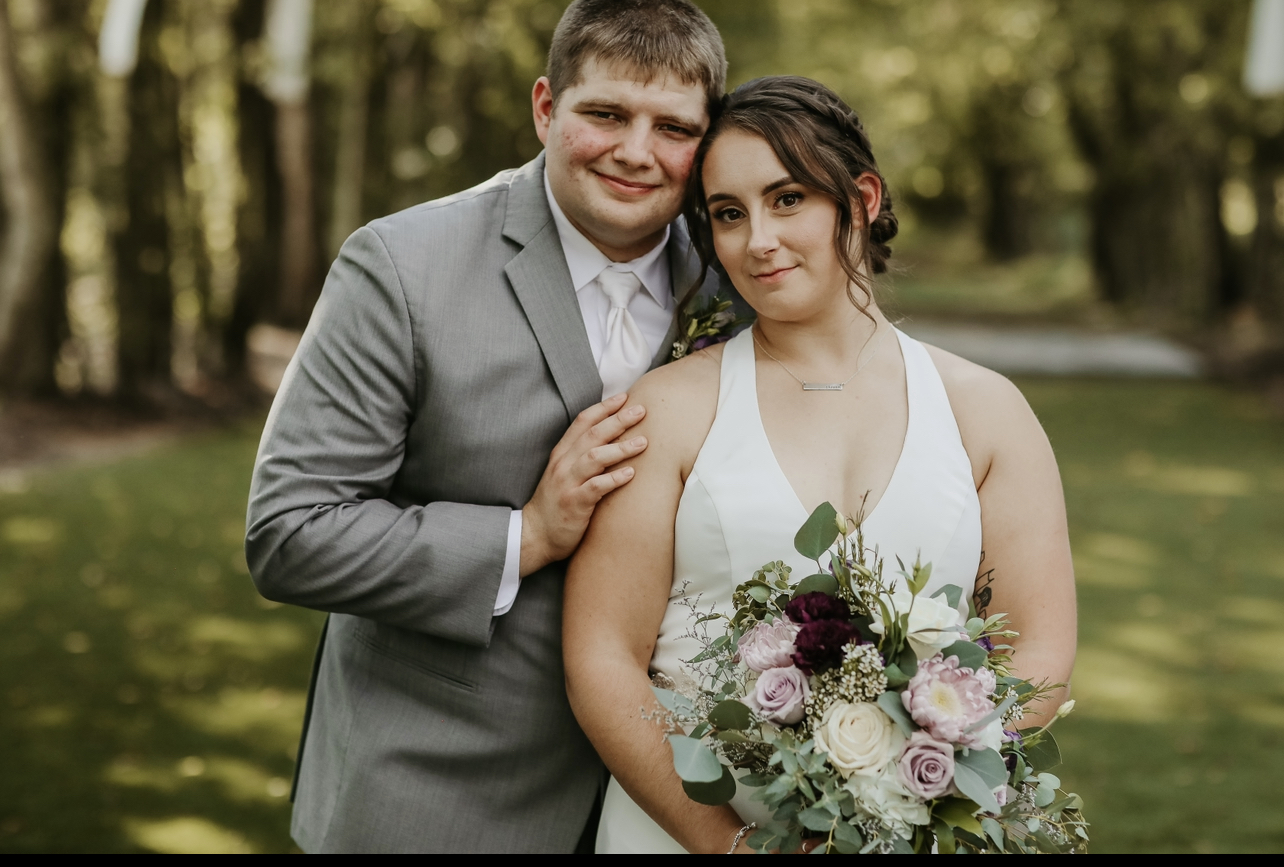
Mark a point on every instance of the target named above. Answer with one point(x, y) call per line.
point(652, 36)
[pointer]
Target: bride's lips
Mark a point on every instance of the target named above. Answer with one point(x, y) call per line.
point(627, 188)
point(774, 276)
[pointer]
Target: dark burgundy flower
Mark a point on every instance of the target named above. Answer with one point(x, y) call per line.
point(811, 607)
point(819, 644)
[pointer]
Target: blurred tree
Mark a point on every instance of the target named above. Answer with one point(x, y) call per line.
point(27, 224)
point(1152, 108)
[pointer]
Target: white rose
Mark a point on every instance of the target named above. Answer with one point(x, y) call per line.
point(933, 624)
point(858, 738)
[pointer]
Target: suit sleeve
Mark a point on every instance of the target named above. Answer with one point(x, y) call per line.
point(320, 530)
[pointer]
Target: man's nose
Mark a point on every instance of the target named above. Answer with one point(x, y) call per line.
point(633, 148)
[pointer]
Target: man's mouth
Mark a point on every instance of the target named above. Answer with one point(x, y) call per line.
point(626, 187)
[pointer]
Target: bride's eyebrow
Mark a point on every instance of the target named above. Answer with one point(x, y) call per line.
point(714, 198)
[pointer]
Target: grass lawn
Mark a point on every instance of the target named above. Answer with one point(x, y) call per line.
point(150, 701)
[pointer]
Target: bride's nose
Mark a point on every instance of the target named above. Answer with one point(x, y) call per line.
point(763, 240)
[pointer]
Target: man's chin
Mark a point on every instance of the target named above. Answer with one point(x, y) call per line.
point(627, 226)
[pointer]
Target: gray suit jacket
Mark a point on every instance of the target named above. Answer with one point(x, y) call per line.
point(446, 357)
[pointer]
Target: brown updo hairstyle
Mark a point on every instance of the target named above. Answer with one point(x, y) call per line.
point(822, 144)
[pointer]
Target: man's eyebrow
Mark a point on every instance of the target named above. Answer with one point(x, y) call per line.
point(594, 104)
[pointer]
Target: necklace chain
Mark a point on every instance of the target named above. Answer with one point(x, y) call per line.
point(824, 386)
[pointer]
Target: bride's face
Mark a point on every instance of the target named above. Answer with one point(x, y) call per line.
point(774, 236)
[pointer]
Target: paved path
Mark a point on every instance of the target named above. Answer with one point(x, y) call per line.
point(1059, 351)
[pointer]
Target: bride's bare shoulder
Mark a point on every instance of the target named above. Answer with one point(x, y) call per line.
point(992, 414)
point(681, 399)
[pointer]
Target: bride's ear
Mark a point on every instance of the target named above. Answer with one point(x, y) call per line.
point(870, 187)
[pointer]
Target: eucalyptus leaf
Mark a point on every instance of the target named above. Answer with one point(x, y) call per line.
point(816, 819)
point(693, 761)
point(970, 655)
point(821, 582)
point(973, 786)
point(1044, 795)
point(952, 593)
point(730, 715)
point(845, 833)
point(994, 831)
point(988, 764)
point(818, 533)
point(713, 794)
point(891, 704)
point(894, 675)
point(1045, 754)
point(759, 593)
point(755, 780)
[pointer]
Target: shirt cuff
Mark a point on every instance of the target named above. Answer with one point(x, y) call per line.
point(512, 578)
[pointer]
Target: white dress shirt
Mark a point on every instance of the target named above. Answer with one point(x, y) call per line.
point(651, 309)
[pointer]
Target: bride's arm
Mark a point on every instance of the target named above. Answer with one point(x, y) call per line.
point(1026, 569)
point(617, 589)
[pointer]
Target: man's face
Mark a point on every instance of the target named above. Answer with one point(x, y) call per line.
point(619, 152)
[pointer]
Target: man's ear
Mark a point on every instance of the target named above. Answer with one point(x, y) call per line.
point(542, 107)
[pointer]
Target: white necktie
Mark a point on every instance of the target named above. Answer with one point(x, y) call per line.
point(625, 355)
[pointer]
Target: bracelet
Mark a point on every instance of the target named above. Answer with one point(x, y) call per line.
point(740, 835)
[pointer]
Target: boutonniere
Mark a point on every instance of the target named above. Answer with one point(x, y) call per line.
point(704, 322)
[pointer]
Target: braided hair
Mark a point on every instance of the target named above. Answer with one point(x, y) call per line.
point(823, 145)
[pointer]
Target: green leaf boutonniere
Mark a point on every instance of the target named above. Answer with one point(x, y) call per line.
point(704, 322)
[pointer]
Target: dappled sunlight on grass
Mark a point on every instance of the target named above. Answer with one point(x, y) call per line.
point(187, 835)
point(150, 700)
point(1177, 522)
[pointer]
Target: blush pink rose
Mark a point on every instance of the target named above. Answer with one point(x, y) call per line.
point(779, 694)
point(769, 645)
point(926, 766)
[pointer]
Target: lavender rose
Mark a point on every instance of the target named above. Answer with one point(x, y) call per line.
point(769, 645)
point(926, 766)
point(779, 694)
point(820, 644)
point(810, 607)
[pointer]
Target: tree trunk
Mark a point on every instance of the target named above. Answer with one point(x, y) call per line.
point(28, 227)
point(298, 238)
point(1265, 277)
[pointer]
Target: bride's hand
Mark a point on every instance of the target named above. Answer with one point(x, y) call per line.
point(576, 478)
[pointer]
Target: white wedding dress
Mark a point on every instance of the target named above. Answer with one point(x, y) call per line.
point(738, 512)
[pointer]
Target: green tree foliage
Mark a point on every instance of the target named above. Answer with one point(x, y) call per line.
point(193, 204)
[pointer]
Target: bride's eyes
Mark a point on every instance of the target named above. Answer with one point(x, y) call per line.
point(789, 199)
point(728, 215)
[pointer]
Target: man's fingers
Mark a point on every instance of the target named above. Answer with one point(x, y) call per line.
point(596, 460)
point(595, 414)
point(600, 486)
point(612, 427)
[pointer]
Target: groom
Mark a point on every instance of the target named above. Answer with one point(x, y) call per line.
point(404, 481)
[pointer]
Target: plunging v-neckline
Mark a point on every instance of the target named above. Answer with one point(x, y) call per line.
point(775, 462)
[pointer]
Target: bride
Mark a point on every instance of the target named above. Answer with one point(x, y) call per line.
point(822, 400)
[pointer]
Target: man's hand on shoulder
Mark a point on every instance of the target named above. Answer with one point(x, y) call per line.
point(578, 475)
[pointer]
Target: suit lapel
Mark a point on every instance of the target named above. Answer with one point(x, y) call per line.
point(542, 283)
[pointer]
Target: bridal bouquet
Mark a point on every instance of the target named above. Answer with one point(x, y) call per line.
point(867, 714)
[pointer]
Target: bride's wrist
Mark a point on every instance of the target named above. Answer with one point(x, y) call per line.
point(740, 837)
